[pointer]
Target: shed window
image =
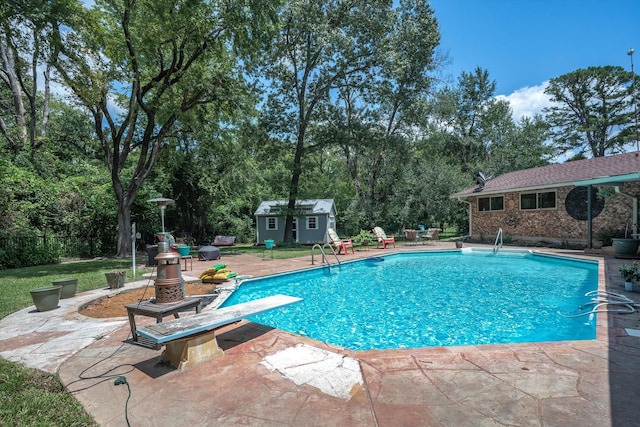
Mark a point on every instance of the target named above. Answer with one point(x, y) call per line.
point(542, 200)
point(491, 203)
point(272, 223)
point(312, 223)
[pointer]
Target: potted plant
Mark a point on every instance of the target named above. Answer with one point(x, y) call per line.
point(363, 238)
point(624, 246)
point(115, 278)
point(69, 286)
point(629, 273)
point(46, 298)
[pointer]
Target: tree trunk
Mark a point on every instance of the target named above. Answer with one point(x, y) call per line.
point(124, 230)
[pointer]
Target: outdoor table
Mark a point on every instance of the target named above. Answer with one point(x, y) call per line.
point(151, 309)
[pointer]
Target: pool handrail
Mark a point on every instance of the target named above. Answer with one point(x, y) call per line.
point(496, 245)
point(324, 255)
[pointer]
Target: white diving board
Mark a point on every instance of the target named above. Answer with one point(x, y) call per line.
point(192, 340)
point(203, 322)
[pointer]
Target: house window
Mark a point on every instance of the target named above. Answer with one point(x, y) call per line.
point(312, 223)
point(542, 200)
point(491, 203)
point(272, 223)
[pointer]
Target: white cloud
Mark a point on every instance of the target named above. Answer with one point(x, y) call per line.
point(527, 101)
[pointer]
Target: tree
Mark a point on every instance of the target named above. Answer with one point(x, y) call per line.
point(477, 131)
point(382, 127)
point(333, 62)
point(25, 52)
point(139, 67)
point(591, 110)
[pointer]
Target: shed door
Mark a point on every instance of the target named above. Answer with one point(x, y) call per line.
point(295, 229)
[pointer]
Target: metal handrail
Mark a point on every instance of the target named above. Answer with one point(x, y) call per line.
point(496, 245)
point(324, 255)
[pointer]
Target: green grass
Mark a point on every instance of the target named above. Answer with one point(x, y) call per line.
point(279, 252)
point(29, 397)
point(16, 283)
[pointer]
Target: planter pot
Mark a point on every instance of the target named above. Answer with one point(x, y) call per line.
point(626, 247)
point(458, 245)
point(184, 250)
point(365, 243)
point(69, 287)
point(628, 286)
point(115, 279)
point(47, 298)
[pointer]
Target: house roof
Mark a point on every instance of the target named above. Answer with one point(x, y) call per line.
point(608, 170)
point(310, 206)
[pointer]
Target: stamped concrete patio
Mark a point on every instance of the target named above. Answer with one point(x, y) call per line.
point(574, 383)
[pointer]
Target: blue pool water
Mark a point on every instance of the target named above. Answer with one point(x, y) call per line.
point(433, 299)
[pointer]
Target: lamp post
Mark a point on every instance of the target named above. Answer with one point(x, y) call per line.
point(162, 203)
point(633, 96)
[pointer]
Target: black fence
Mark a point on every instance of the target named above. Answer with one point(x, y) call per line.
point(24, 251)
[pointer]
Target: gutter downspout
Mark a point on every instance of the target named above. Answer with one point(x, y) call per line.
point(468, 215)
point(589, 218)
point(634, 227)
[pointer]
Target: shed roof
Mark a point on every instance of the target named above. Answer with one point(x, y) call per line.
point(311, 206)
point(608, 170)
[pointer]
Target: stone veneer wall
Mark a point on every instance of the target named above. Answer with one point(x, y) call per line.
point(553, 225)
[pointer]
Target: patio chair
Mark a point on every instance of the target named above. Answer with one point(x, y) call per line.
point(411, 236)
point(340, 244)
point(383, 239)
point(432, 234)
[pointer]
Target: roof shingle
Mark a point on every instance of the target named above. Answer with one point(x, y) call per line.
point(559, 174)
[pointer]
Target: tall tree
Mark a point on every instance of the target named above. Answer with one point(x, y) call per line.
point(464, 113)
point(478, 133)
point(380, 117)
point(320, 45)
point(140, 66)
point(591, 110)
point(334, 60)
point(26, 57)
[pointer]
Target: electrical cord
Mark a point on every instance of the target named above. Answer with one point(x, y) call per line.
point(108, 375)
point(123, 380)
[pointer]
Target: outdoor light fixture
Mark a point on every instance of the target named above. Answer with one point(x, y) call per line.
point(162, 203)
point(633, 96)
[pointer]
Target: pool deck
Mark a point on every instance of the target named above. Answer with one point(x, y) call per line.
point(569, 383)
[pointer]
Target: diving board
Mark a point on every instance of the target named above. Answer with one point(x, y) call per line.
point(191, 340)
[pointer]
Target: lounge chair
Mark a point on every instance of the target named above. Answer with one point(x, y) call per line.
point(340, 244)
point(411, 236)
point(432, 234)
point(224, 241)
point(383, 239)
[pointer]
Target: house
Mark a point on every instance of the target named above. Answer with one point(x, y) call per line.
point(550, 204)
point(310, 223)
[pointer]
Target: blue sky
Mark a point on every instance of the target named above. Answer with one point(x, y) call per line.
point(524, 43)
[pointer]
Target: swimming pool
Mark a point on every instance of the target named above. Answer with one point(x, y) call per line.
point(412, 300)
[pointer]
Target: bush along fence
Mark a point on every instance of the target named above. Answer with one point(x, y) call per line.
point(26, 251)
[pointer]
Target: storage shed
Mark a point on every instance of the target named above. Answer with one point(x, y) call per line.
point(310, 223)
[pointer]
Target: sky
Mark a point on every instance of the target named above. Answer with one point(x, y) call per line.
point(524, 43)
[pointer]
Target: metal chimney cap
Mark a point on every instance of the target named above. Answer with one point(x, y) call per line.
point(161, 202)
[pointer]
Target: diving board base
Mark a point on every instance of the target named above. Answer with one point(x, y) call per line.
point(188, 352)
point(191, 340)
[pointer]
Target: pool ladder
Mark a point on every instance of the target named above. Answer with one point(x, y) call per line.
point(498, 243)
point(324, 255)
